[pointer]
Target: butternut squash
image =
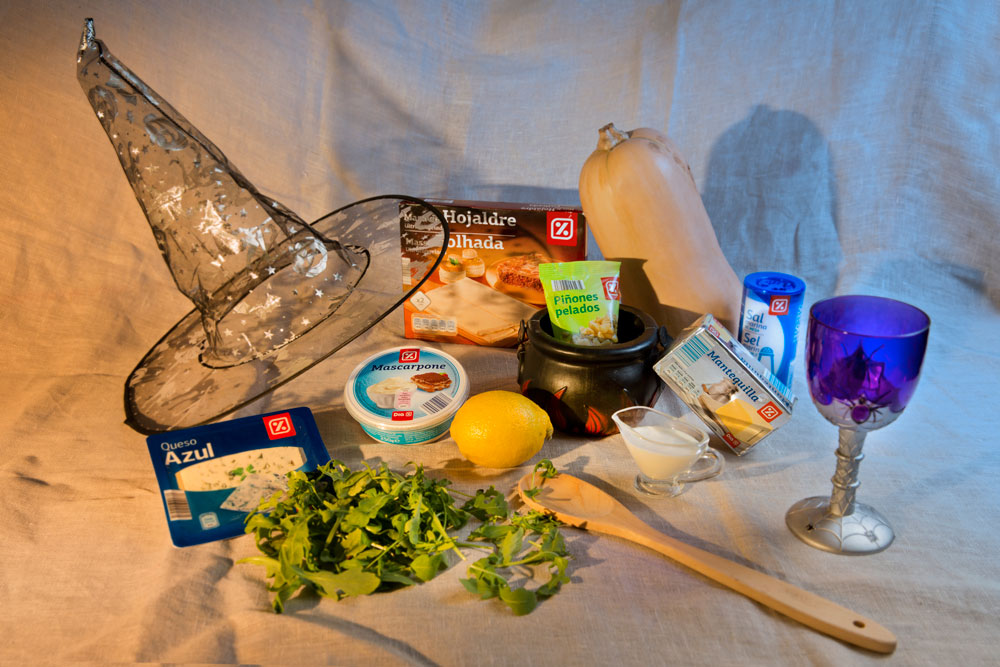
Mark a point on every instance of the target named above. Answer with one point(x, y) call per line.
point(643, 206)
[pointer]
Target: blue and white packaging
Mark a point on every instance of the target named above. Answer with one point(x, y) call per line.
point(724, 385)
point(769, 320)
point(406, 395)
point(212, 476)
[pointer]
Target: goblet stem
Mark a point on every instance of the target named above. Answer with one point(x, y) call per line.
point(845, 479)
point(838, 523)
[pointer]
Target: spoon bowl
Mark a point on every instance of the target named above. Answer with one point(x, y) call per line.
point(582, 505)
point(573, 500)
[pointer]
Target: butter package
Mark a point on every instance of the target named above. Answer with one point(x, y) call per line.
point(488, 281)
point(212, 476)
point(718, 378)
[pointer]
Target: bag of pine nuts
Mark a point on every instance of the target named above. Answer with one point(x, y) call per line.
point(582, 300)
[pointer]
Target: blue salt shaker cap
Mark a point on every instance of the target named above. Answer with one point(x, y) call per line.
point(774, 282)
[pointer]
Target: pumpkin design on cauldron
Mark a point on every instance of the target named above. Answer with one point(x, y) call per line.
point(581, 387)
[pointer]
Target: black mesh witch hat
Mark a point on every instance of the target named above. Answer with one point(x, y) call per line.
point(273, 295)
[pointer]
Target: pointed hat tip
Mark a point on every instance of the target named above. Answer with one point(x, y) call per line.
point(88, 35)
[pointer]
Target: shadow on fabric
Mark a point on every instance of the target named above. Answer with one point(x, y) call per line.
point(771, 195)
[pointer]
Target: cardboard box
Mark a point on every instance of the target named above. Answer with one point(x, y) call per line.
point(718, 378)
point(488, 281)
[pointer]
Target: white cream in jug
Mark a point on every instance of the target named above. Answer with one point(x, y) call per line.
point(661, 452)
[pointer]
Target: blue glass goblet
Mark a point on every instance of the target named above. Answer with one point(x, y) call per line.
point(863, 358)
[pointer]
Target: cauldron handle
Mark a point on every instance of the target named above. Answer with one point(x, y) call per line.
point(522, 336)
point(662, 336)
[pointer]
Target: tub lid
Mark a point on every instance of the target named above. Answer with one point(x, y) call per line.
point(406, 389)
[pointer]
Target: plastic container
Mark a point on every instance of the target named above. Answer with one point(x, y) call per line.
point(769, 320)
point(212, 476)
point(406, 395)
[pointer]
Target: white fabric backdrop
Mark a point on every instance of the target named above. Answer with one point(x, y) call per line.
point(854, 144)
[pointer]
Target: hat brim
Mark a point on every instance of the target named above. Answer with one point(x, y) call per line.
point(171, 388)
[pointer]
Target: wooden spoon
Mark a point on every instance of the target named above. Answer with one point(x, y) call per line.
point(579, 504)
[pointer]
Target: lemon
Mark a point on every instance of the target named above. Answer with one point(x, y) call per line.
point(500, 429)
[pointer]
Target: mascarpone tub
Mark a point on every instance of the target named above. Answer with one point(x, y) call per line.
point(406, 395)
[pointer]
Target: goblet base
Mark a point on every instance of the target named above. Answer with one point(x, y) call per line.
point(863, 531)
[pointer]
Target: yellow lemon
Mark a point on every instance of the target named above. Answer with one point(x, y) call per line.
point(500, 429)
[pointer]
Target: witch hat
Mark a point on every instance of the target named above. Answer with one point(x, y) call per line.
point(273, 295)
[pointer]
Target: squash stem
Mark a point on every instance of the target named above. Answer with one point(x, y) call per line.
point(610, 136)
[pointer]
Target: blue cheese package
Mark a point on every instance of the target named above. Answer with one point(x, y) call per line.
point(211, 476)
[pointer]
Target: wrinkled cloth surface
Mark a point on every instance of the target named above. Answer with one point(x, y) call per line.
point(854, 144)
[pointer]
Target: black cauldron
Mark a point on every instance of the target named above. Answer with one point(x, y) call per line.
point(581, 387)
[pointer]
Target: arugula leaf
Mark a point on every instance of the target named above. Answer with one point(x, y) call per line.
point(491, 532)
point(345, 533)
point(511, 545)
point(546, 547)
point(520, 600)
point(487, 505)
point(544, 469)
point(348, 583)
point(398, 578)
point(426, 567)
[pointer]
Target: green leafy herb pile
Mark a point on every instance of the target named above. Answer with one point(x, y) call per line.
point(345, 533)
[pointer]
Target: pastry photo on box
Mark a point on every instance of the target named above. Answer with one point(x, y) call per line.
point(488, 282)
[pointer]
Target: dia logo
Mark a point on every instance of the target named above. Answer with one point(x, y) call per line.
point(769, 412)
point(560, 227)
point(779, 305)
point(409, 355)
point(279, 426)
point(611, 288)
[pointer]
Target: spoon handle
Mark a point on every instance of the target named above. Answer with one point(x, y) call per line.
point(807, 608)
